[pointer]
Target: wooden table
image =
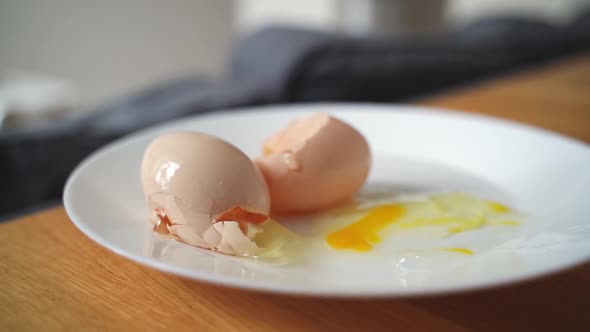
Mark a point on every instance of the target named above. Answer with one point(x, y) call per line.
point(52, 278)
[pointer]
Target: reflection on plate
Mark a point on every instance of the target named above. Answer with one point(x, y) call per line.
point(421, 250)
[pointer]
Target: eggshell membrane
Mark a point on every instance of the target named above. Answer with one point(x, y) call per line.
point(316, 162)
point(193, 179)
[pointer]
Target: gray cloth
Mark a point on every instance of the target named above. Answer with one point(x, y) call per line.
point(281, 65)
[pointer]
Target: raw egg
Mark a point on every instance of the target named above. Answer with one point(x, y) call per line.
point(452, 212)
point(314, 163)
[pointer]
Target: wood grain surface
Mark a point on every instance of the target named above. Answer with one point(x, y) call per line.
point(555, 97)
point(53, 278)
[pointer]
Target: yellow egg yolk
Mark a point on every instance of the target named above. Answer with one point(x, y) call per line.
point(498, 207)
point(454, 212)
point(361, 235)
point(464, 251)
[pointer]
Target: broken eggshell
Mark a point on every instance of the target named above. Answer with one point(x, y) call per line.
point(314, 163)
point(205, 192)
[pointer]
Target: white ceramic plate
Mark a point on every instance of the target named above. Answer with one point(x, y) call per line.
point(544, 175)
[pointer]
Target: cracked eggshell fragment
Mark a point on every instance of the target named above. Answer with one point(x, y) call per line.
point(227, 237)
point(191, 180)
point(316, 162)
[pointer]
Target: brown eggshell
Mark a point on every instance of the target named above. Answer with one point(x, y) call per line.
point(314, 163)
point(193, 179)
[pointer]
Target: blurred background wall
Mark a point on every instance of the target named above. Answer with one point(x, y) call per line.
point(109, 48)
point(335, 14)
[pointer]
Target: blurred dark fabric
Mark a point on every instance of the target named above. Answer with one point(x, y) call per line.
point(282, 65)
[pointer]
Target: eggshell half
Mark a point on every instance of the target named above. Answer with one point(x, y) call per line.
point(316, 162)
point(191, 180)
